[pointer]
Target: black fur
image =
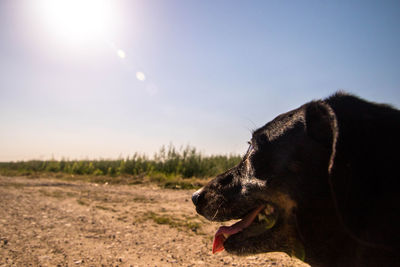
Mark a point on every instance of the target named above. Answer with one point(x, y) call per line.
point(330, 170)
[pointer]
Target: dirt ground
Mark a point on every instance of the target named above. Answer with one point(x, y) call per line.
point(50, 222)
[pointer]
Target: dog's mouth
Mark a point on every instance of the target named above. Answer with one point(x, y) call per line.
point(254, 223)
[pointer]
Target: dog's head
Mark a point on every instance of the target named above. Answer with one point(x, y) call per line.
point(286, 156)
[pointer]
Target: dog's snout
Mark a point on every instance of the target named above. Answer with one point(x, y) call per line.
point(196, 196)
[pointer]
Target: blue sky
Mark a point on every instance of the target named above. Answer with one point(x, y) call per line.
point(214, 71)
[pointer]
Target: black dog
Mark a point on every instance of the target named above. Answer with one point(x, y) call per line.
point(319, 182)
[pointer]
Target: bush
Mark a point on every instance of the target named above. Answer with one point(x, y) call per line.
point(169, 163)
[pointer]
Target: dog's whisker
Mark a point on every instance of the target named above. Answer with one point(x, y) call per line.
point(216, 212)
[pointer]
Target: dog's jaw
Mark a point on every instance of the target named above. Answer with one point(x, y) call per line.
point(225, 232)
point(256, 222)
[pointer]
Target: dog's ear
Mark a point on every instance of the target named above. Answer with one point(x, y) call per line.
point(320, 123)
point(322, 126)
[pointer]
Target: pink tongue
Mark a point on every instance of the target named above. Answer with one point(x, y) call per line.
point(219, 238)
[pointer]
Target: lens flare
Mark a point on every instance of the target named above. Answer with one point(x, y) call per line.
point(121, 53)
point(140, 76)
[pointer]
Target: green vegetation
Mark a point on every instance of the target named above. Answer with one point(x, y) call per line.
point(105, 208)
point(184, 168)
point(178, 223)
point(81, 202)
point(56, 194)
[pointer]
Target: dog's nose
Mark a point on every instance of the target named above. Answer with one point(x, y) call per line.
point(195, 196)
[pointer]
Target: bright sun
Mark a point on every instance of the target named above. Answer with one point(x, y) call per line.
point(77, 20)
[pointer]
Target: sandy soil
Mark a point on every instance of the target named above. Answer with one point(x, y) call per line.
point(49, 222)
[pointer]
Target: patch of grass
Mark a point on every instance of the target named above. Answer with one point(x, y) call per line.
point(143, 199)
point(176, 182)
point(162, 180)
point(10, 172)
point(123, 218)
point(82, 202)
point(12, 184)
point(185, 225)
point(71, 194)
point(180, 183)
point(105, 208)
point(55, 194)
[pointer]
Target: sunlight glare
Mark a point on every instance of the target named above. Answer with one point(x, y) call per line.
point(77, 20)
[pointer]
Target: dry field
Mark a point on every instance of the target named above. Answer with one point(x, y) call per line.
point(50, 222)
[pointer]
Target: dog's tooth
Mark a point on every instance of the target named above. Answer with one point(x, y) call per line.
point(225, 235)
point(270, 222)
point(269, 209)
point(261, 217)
